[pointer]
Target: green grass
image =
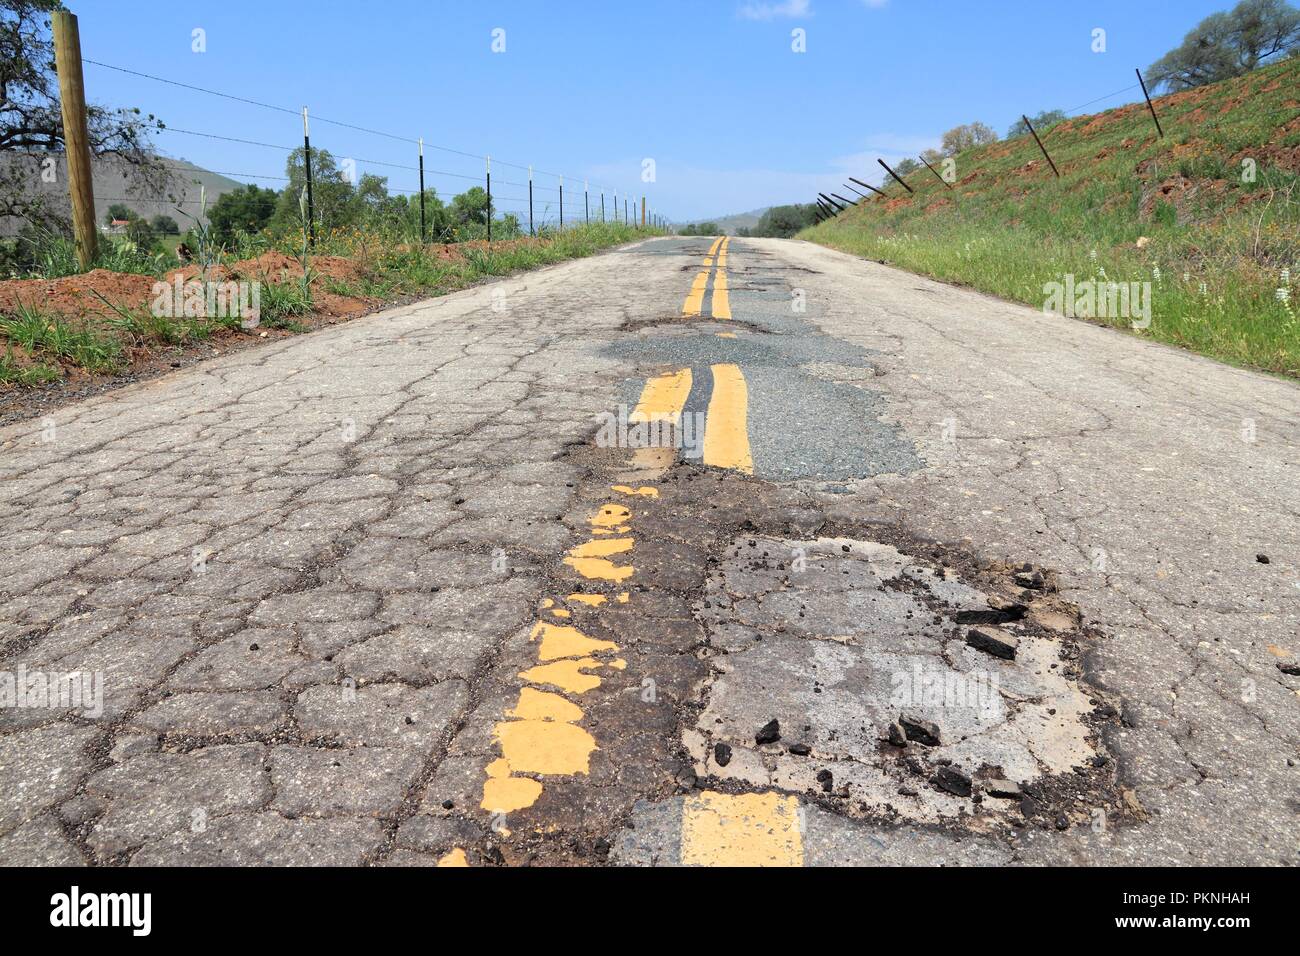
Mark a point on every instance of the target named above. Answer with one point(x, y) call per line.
point(51, 336)
point(418, 271)
point(99, 343)
point(1215, 255)
point(282, 301)
point(38, 373)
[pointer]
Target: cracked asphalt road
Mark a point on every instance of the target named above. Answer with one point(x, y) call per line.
point(347, 593)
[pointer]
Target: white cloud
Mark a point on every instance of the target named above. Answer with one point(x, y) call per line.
point(770, 11)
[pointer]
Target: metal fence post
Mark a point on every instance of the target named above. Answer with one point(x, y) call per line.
point(531, 232)
point(895, 175)
point(311, 206)
point(1040, 145)
point(586, 206)
point(1149, 105)
point(488, 159)
point(561, 204)
point(422, 234)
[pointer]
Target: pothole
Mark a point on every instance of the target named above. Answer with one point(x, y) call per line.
point(889, 687)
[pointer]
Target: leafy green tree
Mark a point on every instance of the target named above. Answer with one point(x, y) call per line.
point(164, 225)
point(781, 222)
point(470, 207)
point(1043, 121)
point(138, 231)
point(31, 122)
point(1229, 44)
point(332, 194)
point(120, 212)
point(246, 209)
point(968, 135)
point(905, 166)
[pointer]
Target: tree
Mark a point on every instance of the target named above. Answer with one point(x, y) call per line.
point(119, 212)
point(332, 194)
point(1044, 120)
point(31, 123)
point(246, 209)
point(905, 166)
point(1224, 45)
point(470, 207)
point(138, 231)
point(164, 225)
point(961, 138)
point(781, 222)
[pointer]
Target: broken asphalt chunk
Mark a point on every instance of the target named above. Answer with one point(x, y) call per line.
point(922, 731)
point(897, 735)
point(955, 781)
point(993, 640)
point(1033, 580)
point(721, 754)
point(1003, 789)
point(769, 734)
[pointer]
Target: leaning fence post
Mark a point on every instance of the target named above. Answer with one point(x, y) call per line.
point(1149, 105)
point(422, 239)
point(76, 141)
point(602, 205)
point(897, 177)
point(936, 172)
point(1040, 145)
point(306, 154)
point(488, 160)
point(866, 185)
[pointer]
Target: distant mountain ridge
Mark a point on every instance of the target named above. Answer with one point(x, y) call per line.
point(112, 185)
point(733, 222)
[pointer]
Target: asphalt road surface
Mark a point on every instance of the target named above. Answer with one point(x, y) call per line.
point(696, 552)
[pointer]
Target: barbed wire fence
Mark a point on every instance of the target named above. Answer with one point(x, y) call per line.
point(537, 200)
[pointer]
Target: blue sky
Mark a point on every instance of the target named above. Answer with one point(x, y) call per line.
point(711, 91)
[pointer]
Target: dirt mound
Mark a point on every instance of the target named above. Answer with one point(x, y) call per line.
point(76, 295)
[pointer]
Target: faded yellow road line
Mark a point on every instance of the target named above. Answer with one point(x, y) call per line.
point(726, 432)
point(721, 301)
point(663, 398)
point(694, 304)
point(750, 829)
point(540, 736)
point(695, 299)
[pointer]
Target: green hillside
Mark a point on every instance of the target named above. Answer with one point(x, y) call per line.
point(1183, 213)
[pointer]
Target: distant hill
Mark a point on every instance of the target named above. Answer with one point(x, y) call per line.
point(112, 184)
point(729, 224)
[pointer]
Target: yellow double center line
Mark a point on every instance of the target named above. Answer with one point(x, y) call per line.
point(715, 261)
point(726, 425)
